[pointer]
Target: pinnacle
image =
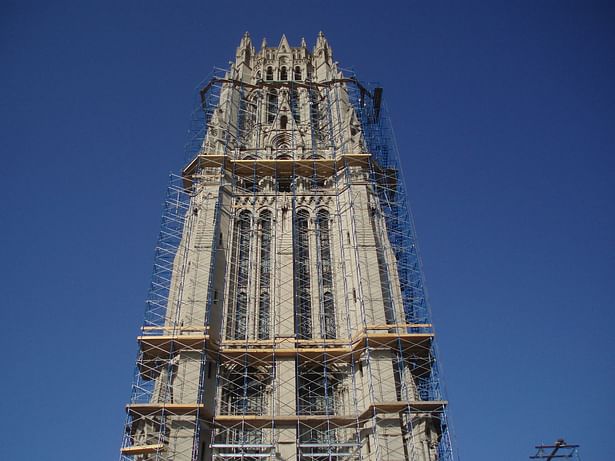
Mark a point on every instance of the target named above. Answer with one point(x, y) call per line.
point(283, 42)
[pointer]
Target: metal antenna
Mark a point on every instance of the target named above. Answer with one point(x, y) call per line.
point(559, 450)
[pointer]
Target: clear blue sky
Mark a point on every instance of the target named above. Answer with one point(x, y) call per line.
point(505, 117)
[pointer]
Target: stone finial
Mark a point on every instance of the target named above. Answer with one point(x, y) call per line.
point(245, 49)
point(283, 46)
point(246, 42)
point(321, 41)
point(264, 44)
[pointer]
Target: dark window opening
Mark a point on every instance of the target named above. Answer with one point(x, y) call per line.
point(244, 390)
point(272, 105)
point(316, 390)
point(238, 305)
point(303, 307)
point(325, 274)
point(315, 112)
point(265, 276)
point(294, 104)
point(328, 317)
point(284, 185)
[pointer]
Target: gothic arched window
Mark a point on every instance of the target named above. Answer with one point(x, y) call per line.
point(272, 105)
point(283, 73)
point(264, 307)
point(297, 73)
point(240, 270)
point(269, 74)
point(263, 315)
point(328, 316)
point(316, 390)
point(241, 314)
point(324, 245)
point(325, 274)
point(303, 305)
point(315, 111)
point(244, 390)
point(294, 104)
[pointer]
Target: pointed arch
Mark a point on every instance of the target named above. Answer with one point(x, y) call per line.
point(237, 317)
point(264, 304)
point(272, 105)
point(327, 308)
point(303, 303)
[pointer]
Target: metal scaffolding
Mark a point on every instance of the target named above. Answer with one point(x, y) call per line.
point(287, 316)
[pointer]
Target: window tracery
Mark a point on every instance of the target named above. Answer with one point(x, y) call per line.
point(303, 304)
point(272, 105)
point(328, 329)
point(238, 312)
point(265, 276)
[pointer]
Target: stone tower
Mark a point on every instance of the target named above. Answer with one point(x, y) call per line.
point(287, 318)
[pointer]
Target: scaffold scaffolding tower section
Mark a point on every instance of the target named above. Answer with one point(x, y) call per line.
point(287, 316)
